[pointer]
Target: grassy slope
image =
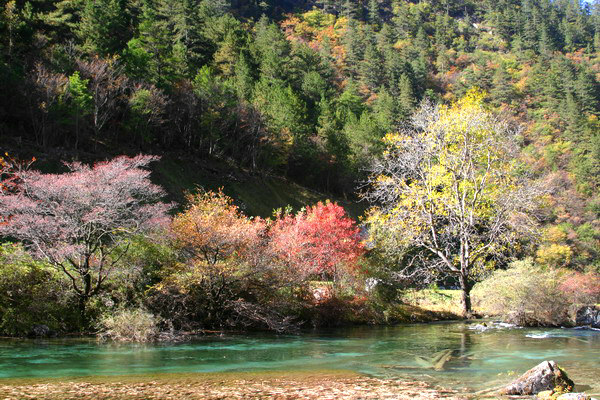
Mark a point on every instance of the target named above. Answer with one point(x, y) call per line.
point(178, 174)
point(255, 195)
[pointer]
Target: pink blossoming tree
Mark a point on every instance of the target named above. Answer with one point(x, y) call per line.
point(81, 221)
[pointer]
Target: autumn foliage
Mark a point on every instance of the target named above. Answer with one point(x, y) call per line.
point(250, 271)
point(81, 221)
point(320, 240)
point(214, 228)
point(582, 288)
point(10, 172)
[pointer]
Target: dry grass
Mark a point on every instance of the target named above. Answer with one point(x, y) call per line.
point(129, 326)
point(439, 301)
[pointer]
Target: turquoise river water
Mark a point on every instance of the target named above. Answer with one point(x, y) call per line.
point(478, 358)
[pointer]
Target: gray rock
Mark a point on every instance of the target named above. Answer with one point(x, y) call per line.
point(545, 376)
point(40, 331)
point(588, 316)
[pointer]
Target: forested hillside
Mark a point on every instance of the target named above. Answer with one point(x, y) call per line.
point(303, 89)
point(307, 90)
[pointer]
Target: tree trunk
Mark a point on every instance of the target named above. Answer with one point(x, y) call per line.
point(82, 310)
point(84, 297)
point(466, 287)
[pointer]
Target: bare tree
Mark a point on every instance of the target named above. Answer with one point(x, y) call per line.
point(107, 85)
point(45, 90)
point(447, 195)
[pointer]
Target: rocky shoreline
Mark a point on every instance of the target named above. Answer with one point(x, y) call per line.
point(305, 386)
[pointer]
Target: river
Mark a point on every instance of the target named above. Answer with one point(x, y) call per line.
point(477, 359)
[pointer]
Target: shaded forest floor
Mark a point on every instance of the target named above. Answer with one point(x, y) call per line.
point(313, 385)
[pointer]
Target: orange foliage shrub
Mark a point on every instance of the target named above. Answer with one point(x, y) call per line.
point(213, 228)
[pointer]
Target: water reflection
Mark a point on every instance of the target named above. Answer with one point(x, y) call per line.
point(450, 354)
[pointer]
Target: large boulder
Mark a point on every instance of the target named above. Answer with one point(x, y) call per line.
point(588, 316)
point(545, 376)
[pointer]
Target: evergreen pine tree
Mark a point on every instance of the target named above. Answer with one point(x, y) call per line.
point(529, 34)
point(386, 37)
point(406, 99)
point(103, 27)
point(349, 105)
point(572, 116)
point(394, 67)
point(546, 44)
point(371, 71)
point(244, 80)
point(354, 47)
point(328, 6)
point(587, 92)
point(15, 28)
point(349, 9)
point(188, 21)
point(329, 131)
point(373, 12)
point(502, 91)
point(78, 102)
point(156, 40)
point(385, 112)
point(226, 56)
point(364, 139)
point(60, 18)
point(272, 51)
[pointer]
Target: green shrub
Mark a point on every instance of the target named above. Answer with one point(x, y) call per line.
point(31, 293)
point(525, 294)
point(137, 325)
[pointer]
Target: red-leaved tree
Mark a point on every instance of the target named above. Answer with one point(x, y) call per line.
point(320, 240)
point(81, 221)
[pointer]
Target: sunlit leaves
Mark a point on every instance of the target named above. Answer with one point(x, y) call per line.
point(213, 228)
point(447, 187)
point(321, 240)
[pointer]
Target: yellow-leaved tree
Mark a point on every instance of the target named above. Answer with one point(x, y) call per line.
point(448, 195)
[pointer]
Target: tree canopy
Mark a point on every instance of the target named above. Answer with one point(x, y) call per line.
point(81, 221)
point(449, 186)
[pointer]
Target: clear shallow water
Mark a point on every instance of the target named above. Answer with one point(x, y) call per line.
point(479, 359)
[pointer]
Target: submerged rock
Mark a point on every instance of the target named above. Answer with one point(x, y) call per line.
point(437, 362)
point(545, 376)
point(482, 327)
point(40, 331)
point(588, 316)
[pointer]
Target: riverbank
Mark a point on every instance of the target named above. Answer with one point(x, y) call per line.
point(280, 386)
